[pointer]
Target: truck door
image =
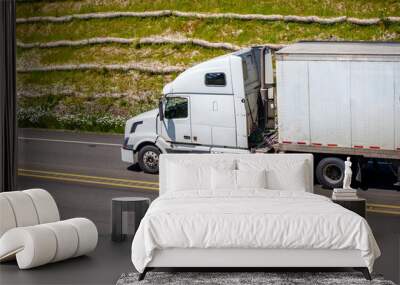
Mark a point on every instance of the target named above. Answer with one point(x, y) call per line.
point(213, 120)
point(176, 125)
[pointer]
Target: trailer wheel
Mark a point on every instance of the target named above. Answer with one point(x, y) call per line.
point(330, 172)
point(148, 159)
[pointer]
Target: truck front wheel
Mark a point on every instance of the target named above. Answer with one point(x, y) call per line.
point(330, 172)
point(148, 159)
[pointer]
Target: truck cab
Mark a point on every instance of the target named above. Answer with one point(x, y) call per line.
point(212, 107)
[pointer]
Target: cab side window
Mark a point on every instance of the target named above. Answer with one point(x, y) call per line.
point(176, 108)
point(215, 79)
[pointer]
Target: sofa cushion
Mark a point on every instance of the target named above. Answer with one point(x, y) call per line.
point(87, 233)
point(27, 208)
point(46, 207)
point(67, 240)
point(23, 208)
point(32, 246)
point(7, 220)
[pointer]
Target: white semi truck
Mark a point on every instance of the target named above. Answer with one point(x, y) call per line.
point(333, 99)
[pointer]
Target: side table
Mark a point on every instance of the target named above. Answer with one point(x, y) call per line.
point(138, 205)
point(357, 205)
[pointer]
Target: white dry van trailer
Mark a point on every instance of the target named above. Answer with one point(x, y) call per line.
point(337, 100)
point(333, 99)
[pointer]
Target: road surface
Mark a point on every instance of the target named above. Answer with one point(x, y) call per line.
point(83, 171)
point(88, 158)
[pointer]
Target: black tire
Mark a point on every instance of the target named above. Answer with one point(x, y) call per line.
point(330, 172)
point(148, 159)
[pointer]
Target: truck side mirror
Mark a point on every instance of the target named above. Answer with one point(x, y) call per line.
point(161, 110)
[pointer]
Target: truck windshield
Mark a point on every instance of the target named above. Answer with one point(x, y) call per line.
point(176, 107)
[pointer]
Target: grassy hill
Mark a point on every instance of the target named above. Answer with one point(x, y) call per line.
point(101, 100)
point(361, 8)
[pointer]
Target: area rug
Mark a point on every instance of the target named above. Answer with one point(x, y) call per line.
point(243, 278)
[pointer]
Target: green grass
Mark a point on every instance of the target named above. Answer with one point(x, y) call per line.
point(234, 31)
point(92, 82)
point(83, 108)
point(88, 113)
point(184, 55)
point(82, 100)
point(359, 8)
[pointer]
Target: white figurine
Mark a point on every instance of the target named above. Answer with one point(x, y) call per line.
point(347, 174)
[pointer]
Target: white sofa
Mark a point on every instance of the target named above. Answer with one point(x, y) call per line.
point(31, 231)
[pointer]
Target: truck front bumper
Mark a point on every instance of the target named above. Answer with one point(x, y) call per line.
point(127, 155)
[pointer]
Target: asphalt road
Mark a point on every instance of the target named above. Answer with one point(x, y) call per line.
point(83, 171)
point(89, 158)
point(79, 153)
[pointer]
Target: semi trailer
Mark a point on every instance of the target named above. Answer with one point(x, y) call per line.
point(332, 99)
